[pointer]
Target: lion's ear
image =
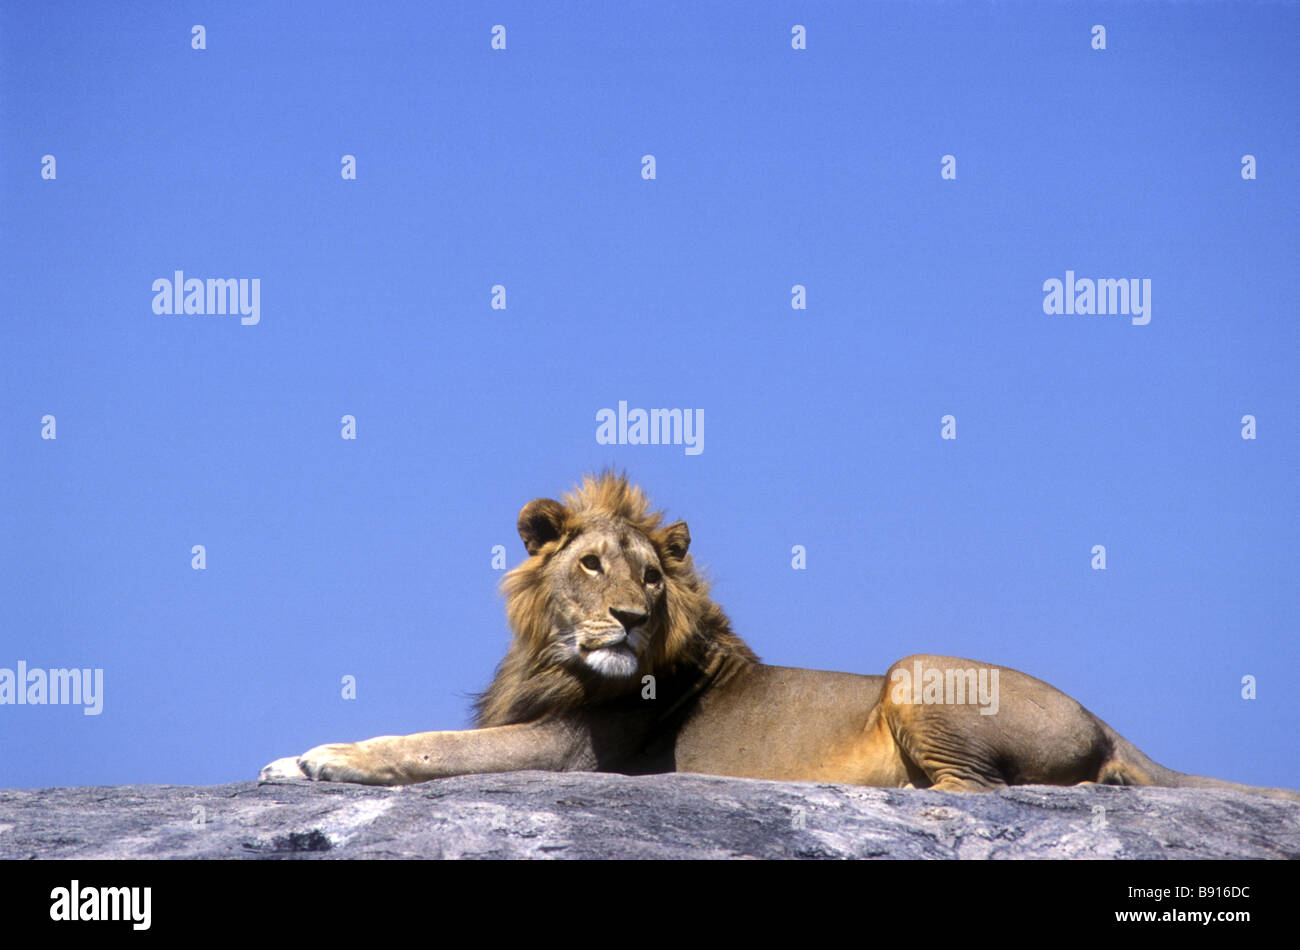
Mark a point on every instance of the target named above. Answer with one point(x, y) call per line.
point(675, 540)
point(541, 520)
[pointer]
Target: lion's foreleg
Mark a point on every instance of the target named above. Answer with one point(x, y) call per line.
point(402, 760)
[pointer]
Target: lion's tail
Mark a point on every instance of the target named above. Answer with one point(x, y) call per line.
point(1127, 765)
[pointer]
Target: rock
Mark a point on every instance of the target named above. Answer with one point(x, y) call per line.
point(594, 815)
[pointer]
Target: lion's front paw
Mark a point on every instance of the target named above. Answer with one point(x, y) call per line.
point(282, 770)
point(343, 762)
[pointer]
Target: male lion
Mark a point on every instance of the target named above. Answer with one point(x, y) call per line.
point(620, 662)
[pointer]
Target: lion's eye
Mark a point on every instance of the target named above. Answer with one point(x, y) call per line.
point(652, 575)
point(590, 562)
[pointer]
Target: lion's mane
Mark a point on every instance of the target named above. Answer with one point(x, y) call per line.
point(691, 643)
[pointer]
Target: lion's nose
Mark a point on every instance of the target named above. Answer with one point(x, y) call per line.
point(630, 618)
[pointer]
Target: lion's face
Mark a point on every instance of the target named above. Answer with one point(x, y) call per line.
point(607, 595)
point(606, 586)
point(592, 598)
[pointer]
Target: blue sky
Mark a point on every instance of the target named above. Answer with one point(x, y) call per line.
point(372, 557)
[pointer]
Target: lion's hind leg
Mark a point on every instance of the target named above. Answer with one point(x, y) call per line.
point(935, 747)
point(973, 727)
point(952, 759)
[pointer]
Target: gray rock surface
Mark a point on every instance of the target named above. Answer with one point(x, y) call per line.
point(590, 815)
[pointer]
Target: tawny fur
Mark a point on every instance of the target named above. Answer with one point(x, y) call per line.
point(690, 630)
point(610, 598)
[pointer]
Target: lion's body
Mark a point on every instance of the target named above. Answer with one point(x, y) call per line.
point(621, 662)
point(782, 723)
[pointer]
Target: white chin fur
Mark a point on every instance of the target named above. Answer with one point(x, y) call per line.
point(616, 661)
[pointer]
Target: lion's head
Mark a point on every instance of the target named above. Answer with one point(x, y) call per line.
point(607, 595)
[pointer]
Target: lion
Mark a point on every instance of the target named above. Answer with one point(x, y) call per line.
point(621, 662)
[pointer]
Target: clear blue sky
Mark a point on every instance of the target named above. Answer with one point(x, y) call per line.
point(372, 558)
